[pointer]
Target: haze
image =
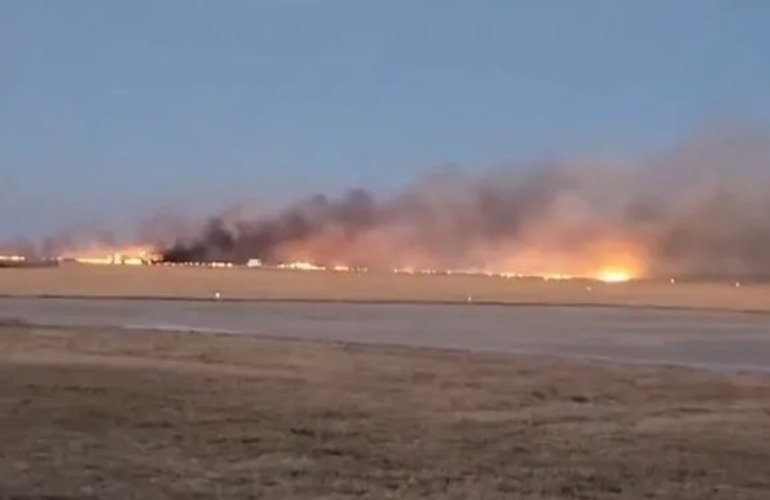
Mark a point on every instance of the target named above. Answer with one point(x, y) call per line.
point(109, 111)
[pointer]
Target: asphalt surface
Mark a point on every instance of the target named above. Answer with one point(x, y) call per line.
point(709, 339)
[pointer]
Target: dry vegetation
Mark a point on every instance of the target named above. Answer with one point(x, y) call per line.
point(107, 414)
point(241, 283)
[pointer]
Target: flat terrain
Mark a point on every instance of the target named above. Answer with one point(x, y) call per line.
point(91, 411)
point(255, 284)
point(150, 415)
point(715, 339)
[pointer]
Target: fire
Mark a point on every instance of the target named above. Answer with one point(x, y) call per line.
point(607, 260)
point(12, 258)
point(612, 259)
point(621, 261)
point(127, 256)
point(614, 275)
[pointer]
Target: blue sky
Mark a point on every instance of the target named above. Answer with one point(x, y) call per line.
point(110, 109)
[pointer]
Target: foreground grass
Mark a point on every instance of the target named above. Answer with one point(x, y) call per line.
point(159, 415)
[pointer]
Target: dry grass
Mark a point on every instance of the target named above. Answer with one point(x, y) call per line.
point(158, 415)
point(241, 283)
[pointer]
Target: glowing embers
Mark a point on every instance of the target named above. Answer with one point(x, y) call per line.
point(128, 256)
point(614, 275)
point(12, 258)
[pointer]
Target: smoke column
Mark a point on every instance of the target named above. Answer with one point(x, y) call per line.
point(701, 210)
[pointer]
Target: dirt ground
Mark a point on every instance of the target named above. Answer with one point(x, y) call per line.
point(72, 280)
point(150, 415)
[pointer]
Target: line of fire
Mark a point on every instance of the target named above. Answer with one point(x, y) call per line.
point(146, 256)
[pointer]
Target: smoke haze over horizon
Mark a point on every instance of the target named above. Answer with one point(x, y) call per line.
point(698, 210)
point(109, 109)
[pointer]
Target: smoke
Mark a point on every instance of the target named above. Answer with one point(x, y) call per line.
point(700, 210)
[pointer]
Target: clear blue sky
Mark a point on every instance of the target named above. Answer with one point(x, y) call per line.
point(108, 109)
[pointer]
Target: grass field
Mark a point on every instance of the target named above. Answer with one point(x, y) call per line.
point(242, 283)
point(108, 414)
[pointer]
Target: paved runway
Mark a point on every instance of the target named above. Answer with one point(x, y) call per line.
point(697, 338)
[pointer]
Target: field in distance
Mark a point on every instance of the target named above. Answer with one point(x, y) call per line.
point(265, 284)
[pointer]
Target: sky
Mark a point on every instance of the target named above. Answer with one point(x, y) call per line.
point(110, 111)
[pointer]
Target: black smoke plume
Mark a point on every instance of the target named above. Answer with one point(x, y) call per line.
point(701, 209)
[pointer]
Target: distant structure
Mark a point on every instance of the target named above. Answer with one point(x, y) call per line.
point(301, 266)
point(8, 261)
point(12, 258)
point(122, 257)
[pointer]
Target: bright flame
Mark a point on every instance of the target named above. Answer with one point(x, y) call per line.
point(12, 258)
point(614, 275)
point(607, 260)
point(127, 256)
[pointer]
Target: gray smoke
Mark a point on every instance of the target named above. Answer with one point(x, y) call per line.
point(699, 210)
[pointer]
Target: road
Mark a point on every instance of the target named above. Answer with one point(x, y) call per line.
point(720, 340)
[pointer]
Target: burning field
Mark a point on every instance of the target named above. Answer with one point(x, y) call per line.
point(213, 416)
point(697, 211)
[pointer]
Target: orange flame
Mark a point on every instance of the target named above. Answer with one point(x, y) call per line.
point(102, 255)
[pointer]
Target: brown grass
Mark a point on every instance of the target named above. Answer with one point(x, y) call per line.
point(241, 283)
point(159, 415)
